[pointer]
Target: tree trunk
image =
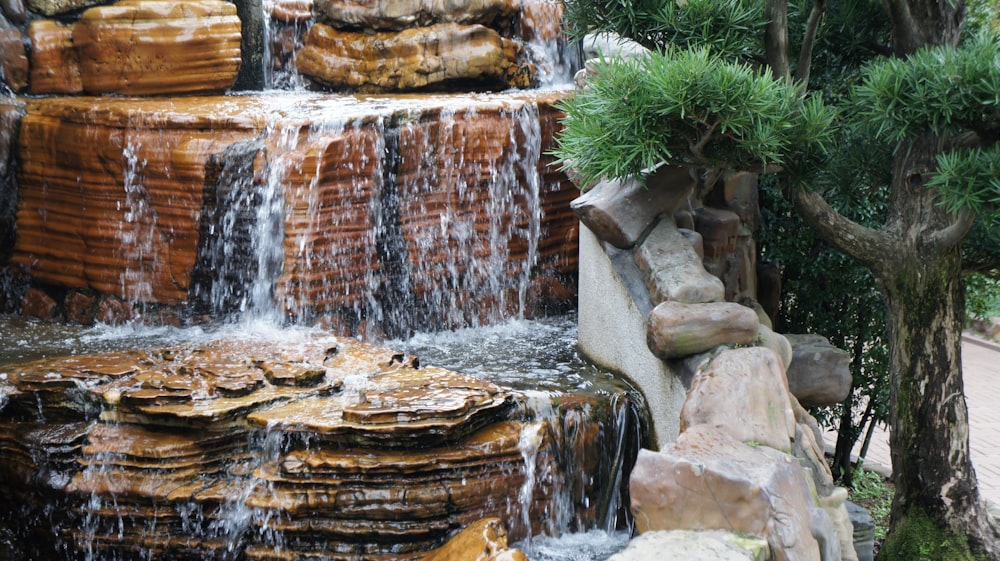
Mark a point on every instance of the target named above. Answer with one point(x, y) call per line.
point(937, 512)
point(937, 502)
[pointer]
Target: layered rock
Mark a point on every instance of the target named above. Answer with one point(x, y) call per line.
point(412, 59)
point(14, 66)
point(278, 449)
point(141, 47)
point(401, 14)
point(138, 203)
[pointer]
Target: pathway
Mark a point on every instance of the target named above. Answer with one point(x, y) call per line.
point(981, 365)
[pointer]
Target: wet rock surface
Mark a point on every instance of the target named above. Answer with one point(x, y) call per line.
point(131, 199)
point(323, 446)
point(412, 59)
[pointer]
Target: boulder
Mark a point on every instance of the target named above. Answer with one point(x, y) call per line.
point(13, 58)
point(402, 14)
point(688, 545)
point(290, 11)
point(620, 212)
point(55, 64)
point(775, 341)
point(412, 59)
point(743, 392)
point(484, 540)
point(708, 480)
point(58, 7)
point(677, 330)
point(719, 228)
point(672, 269)
point(150, 47)
point(13, 10)
point(820, 374)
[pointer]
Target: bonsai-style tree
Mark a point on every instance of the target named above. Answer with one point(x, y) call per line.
point(726, 85)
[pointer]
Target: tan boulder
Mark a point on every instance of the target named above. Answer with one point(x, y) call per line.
point(820, 373)
point(743, 392)
point(150, 47)
point(709, 480)
point(484, 540)
point(675, 329)
point(673, 270)
point(621, 212)
point(412, 59)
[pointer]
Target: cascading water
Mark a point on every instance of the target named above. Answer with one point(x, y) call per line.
point(376, 216)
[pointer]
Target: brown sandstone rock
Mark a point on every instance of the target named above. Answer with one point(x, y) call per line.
point(13, 58)
point(400, 14)
point(744, 393)
point(412, 59)
point(58, 7)
point(80, 307)
point(291, 11)
point(709, 480)
point(55, 65)
point(485, 540)
point(37, 304)
point(143, 47)
point(676, 330)
point(122, 196)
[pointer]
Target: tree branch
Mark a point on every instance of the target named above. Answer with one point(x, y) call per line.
point(808, 41)
point(868, 245)
point(947, 238)
point(776, 37)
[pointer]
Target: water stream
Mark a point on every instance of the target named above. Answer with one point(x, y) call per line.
point(413, 218)
point(536, 358)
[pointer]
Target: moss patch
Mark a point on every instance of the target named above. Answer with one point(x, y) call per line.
point(918, 538)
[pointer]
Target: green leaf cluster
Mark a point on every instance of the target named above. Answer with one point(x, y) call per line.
point(689, 107)
point(969, 179)
point(732, 27)
point(940, 90)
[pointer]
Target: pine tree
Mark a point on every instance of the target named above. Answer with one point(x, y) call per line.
point(729, 84)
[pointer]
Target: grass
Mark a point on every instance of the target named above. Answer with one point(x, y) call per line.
point(873, 492)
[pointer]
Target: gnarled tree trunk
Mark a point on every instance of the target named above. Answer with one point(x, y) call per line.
point(937, 512)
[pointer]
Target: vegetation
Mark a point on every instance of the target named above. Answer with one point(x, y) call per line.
point(898, 114)
point(873, 492)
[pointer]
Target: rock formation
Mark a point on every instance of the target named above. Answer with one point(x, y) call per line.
point(278, 449)
point(746, 457)
point(412, 59)
point(155, 179)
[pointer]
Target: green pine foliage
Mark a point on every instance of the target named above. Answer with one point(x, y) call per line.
point(692, 107)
